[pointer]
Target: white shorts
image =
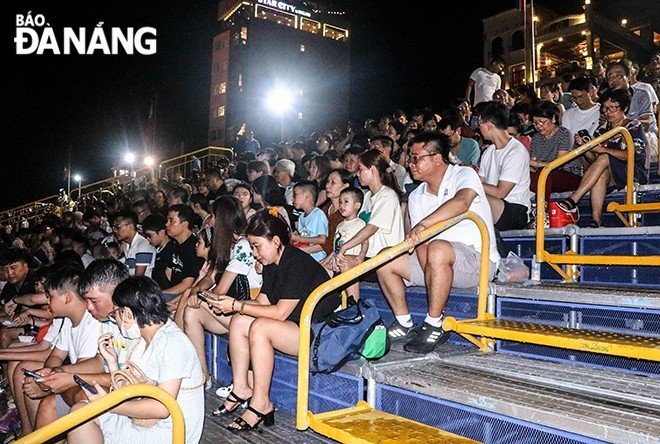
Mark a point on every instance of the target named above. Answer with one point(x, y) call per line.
point(466, 268)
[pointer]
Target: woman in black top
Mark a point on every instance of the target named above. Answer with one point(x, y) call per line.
point(271, 321)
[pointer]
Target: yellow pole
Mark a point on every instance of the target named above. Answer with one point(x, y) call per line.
point(302, 419)
point(541, 254)
point(109, 401)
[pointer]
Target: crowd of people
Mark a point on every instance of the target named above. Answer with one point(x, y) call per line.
point(136, 279)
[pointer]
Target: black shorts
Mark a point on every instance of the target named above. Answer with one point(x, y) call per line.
point(514, 217)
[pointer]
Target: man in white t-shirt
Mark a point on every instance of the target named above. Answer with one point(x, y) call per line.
point(485, 81)
point(585, 115)
point(452, 258)
point(504, 170)
point(77, 341)
point(139, 255)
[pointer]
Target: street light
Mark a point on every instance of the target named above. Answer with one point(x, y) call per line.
point(78, 178)
point(279, 100)
point(130, 158)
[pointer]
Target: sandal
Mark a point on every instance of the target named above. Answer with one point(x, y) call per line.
point(267, 418)
point(237, 400)
point(593, 224)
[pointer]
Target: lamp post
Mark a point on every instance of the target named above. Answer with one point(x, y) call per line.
point(78, 178)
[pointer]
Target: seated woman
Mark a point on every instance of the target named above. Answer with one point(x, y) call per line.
point(168, 359)
point(608, 162)
point(271, 322)
point(232, 271)
point(245, 195)
point(550, 142)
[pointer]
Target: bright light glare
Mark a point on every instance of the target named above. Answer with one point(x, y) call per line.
point(129, 157)
point(149, 161)
point(77, 178)
point(279, 100)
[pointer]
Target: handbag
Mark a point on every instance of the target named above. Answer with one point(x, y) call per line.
point(240, 288)
point(348, 334)
point(132, 374)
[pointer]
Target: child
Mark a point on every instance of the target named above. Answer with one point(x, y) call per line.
point(350, 202)
point(312, 224)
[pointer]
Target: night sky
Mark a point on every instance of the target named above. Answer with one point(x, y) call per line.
point(403, 55)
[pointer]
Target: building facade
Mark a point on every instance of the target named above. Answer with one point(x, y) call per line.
point(297, 54)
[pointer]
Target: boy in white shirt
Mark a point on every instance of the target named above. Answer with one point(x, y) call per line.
point(350, 202)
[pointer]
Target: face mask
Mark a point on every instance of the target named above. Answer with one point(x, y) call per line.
point(133, 332)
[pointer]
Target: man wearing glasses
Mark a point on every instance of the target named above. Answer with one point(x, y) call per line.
point(452, 258)
point(139, 255)
point(585, 115)
point(641, 107)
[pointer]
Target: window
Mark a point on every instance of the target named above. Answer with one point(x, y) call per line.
point(220, 111)
point(244, 33)
point(497, 47)
point(517, 40)
point(222, 88)
point(302, 48)
point(310, 25)
point(335, 33)
point(279, 17)
point(240, 80)
point(300, 115)
point(518, 74)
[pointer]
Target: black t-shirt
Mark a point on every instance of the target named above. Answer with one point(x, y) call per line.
point(295, 277)
point(213, 195)
point(184, 262)
point(163, 259)
point(10, 290)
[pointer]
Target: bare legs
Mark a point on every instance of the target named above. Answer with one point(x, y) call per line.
point(198, 320)
point(595, 179)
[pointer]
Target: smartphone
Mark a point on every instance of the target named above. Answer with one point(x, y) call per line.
point(202, 297)
point(84, 385)
point(584, 135)
point(27, 372)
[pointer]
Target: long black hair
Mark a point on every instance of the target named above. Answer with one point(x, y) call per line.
point(229, 223)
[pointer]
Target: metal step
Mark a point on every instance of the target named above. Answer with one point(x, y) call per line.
point(466, 380)
point(362, 425)
point(624, 388)
point(581, 294)
point(608, 343)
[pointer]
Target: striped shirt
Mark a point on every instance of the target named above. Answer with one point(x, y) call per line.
point(140, 253)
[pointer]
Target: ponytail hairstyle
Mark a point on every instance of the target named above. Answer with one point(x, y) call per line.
point(268, 223)
point(373, 158)
point(229, 223)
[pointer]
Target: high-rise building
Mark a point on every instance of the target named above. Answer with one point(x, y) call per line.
point(279, 69)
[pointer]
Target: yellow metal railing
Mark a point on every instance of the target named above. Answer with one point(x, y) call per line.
point(302, 412)
point(572, 258)
point(104, 404)
point(185, 162)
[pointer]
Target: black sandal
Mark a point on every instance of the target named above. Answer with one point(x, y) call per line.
point(267, 418)
point(232, 397)
point(593, 224)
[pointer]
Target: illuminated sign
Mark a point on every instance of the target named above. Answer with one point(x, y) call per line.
point(285, 7)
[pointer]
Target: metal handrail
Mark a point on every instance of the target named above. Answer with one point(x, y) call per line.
point(572, 258)
point(302, 411)
point(112, 399)
point(209, 150)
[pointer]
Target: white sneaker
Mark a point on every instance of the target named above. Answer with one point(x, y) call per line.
point(223, 392)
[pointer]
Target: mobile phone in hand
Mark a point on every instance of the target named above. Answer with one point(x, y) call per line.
point(202, 297)
point(27, 372)
point(78, 380)
point(584, 135)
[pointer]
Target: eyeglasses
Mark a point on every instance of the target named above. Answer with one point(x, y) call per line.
point(611, 109)
point(118, 227)
point(539, 122)
point(112, 315)
point(414, 158)
point(578, 98)
point(615, 75)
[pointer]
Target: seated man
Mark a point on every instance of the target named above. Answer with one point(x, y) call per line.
point(464, 148)
point(504, 170)
point(77, 341)
point(451, 259)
